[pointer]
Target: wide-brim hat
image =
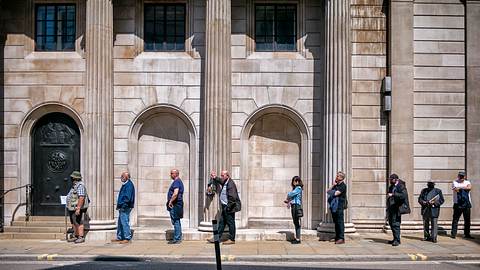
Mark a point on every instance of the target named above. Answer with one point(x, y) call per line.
point(430, 183)
point(461, 173)
point(76, 175)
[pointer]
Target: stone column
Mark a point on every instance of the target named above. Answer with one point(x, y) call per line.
point(472, 58)
point(217, 96)
point(98, 166)
point(337, 101)
point(401, 143)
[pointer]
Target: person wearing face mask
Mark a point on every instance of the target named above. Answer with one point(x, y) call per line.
point(125, 203)
point(430, 199)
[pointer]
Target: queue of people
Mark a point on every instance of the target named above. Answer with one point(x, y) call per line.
point(430, 199)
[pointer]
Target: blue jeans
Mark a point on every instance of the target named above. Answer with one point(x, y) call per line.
point(123, 227)
point(177, 226)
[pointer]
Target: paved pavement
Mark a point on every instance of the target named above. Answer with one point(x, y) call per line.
point(418, 265)
point(368, 247)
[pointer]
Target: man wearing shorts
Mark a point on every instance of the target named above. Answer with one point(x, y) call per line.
point(77, 205)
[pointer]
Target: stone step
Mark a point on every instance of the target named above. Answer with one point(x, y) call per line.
point(35, 229)
point(153, 222)
point(42, 218)
point(28, 235)
point(39, 223)
point(242, 234)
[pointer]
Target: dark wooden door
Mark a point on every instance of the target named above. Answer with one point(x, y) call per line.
point(56, 153)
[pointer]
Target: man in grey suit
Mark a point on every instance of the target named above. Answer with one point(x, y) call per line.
point(430, 199)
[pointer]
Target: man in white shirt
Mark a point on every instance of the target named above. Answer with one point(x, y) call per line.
point(461, 204)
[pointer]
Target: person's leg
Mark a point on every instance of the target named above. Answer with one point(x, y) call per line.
point(127, 234)
point(466, 219)
point(396, 227)
point(390, 223)
point(341, 225)
point(335, 222)
point(120, 235)
point(434, 231)
point(221, 222)
point(231, 225)
point(457, 212)
point(177, 228)
point(426, 228)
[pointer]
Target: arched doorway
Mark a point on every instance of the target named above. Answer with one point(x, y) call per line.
point(55, 154)
point(274, 148)
point(163, 144)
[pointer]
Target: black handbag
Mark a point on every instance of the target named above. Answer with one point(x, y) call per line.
point(298, 210)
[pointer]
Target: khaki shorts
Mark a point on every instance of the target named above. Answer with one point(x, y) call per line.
point(77, 220)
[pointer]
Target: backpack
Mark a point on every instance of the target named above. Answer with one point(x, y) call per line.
point(73, 200)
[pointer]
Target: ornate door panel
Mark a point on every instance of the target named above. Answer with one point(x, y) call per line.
point(56, 153)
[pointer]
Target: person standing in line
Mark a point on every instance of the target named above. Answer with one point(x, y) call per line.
point(294, 201)
point(397, 205)
point(125, 204)
point(461, 205)
point(430, 199)
point(175, 205)
point(230, 204)
point(77, 205)
point(337, 198)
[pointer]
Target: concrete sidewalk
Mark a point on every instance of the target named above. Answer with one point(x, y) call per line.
point(367, 247)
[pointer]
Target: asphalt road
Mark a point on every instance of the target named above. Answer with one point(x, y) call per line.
point(25, 265)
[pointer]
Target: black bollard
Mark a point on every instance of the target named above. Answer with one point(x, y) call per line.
point(216, 239)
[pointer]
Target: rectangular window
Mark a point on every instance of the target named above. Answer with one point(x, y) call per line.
point(275, 27)
point(164, 27)
point(55, 27)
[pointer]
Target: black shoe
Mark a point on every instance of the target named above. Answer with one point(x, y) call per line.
point(427, 239)
point(395, 243)
point(434, 240)
point(294, 242)
point(174, 242)
point(453, 236)
point(468, 236)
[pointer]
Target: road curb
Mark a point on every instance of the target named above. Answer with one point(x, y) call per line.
point(243, 258)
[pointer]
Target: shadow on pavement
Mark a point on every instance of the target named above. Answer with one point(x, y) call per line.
point(378, 240)
point(179, 266)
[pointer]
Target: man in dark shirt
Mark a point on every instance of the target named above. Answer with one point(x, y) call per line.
point(175, 205)
point(338, 192)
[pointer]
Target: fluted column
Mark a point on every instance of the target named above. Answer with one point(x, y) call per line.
point(217, 96)
point(337, 98)
point(99, 112)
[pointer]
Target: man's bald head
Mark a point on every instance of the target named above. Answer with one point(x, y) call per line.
point(225, 175)
point(174, 173)
point(125, 176)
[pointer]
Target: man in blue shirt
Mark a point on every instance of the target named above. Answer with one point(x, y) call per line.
point(175, 205)
point(125, 203)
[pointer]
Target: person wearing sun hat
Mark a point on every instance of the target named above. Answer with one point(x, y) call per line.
point(77, 205)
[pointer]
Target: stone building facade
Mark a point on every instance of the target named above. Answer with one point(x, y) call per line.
point(110, 103)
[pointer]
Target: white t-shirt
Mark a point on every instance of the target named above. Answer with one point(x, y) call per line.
point(456, 184)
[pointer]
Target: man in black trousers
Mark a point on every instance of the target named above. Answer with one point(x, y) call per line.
point(430, 199)
point(397, 205)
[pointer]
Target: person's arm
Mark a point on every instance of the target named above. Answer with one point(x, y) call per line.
point(340, 190)
point(174, 197)
point(440, 200)
point(421, 201)
point(81, 201)
point(468, 187)
point(294, 193)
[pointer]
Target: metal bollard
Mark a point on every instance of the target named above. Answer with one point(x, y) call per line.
point(216, 239)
